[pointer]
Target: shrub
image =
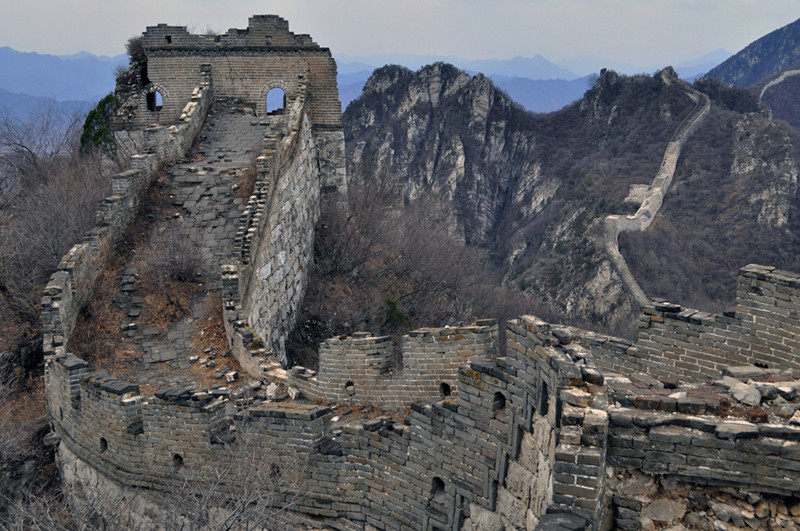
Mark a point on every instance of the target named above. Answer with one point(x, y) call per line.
point(97, 132)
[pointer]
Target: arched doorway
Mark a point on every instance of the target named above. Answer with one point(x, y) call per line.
point(276, 100)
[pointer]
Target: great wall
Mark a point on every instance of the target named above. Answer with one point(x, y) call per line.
point(650, 198)
point(693, 425)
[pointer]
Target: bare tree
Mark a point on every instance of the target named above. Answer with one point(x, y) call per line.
point(48, 196)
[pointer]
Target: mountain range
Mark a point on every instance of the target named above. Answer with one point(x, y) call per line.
point(536, 83)
point(763, 58)
point(36, 80)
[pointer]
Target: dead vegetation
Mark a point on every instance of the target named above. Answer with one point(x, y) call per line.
point(387, 268)
point(209, 337)
point(98, 333)
point(48, 193)
point(245, 182)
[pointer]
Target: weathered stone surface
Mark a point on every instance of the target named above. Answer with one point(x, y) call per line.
point(664, 510)
point(743, 372)
point(576, 397)
point(732, 430)
point(746, 394)
point(481, 519)
point(485, 431)
point(562, 522)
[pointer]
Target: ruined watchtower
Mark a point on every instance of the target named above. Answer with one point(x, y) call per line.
point(245, 64)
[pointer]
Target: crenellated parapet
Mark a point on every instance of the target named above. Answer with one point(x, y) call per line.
point(367, 370)
point(471, 452)
point(246, 65)
point(762, 330)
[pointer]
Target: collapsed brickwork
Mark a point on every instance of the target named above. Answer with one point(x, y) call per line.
point(564, 428)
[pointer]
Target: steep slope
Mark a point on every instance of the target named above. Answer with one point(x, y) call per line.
point(762, 58)
point(529, 187)
point(779, 94)
point(734, 201)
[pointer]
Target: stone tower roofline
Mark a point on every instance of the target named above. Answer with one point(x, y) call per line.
point(264, 32)
point(243, 64)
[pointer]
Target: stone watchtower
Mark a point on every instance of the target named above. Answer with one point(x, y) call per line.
point(245, 64)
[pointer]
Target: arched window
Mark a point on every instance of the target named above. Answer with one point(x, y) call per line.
point(155, 101)
point(437, 490)
point(499, 406)
point(276, 100)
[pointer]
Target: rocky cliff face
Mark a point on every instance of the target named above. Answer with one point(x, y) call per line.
point(528, 187)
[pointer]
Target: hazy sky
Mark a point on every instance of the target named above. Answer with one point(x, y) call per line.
point(644, 32)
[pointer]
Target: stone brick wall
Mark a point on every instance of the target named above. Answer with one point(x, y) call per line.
point(707, 450)
point(245, 64)
point(488, 451)
point(763, 330)
point(530, 439)
point(274, 242)
point(363, 370)
point(536, 438)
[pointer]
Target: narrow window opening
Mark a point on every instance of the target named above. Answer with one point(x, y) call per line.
point(168, 38)
point(267, 40)
point(274, 471)
point(543, 400)
point(444, 389)
point(155, 101)
point(499, 406)
point(437, 490)
point(350, 388)
point(61, 413)
point(177, 461)
point(276, 100)
point(103, 444)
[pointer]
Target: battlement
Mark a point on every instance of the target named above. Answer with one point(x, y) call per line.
point(364, 369)
point(70, 286)
point(263, 31)
point(527, 435)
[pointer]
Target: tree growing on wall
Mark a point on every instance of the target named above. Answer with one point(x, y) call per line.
point(97, 132)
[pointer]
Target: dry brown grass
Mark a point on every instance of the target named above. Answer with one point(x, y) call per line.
point(21, 407)
point(244, 183)
point(167, 303)
point(210, 332)
point(369, 411)
point(98, 336)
